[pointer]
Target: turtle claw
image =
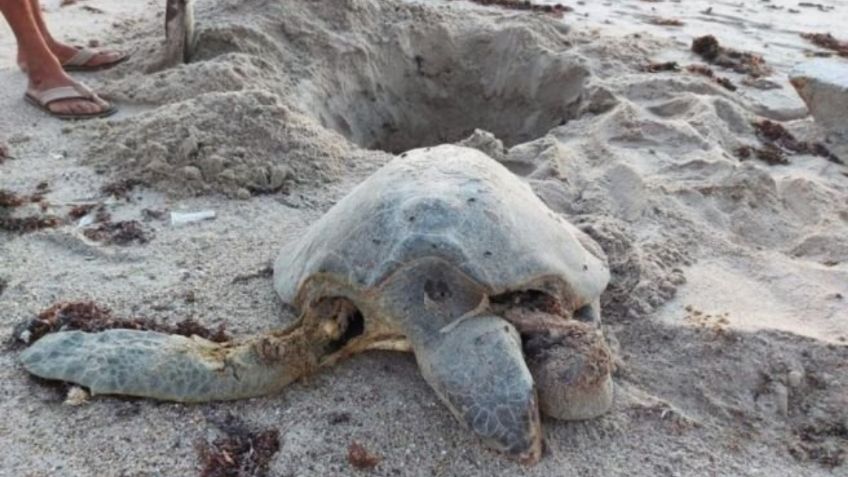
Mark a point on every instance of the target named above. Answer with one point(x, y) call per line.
point(478, 371)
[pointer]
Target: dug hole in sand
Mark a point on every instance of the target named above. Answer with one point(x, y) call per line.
point(726, 307)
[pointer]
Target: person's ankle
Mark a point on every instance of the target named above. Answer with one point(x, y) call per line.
point(42, 78)
point(61, 49)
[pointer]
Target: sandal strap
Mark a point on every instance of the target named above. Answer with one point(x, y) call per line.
point(75, 91)
point(81, 58)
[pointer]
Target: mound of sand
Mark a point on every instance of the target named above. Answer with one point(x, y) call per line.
point(385, 77)
point(237, 143)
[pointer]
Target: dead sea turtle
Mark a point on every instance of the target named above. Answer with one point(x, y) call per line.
point(443, 252)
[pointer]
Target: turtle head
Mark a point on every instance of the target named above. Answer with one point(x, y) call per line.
point(478, 371)
point(472, 359)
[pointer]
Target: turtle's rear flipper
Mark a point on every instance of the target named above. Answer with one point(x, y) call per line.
point(179, 34)
point(478, 370)
point(162, 366)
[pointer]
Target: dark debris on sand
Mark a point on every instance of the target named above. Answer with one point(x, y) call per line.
point(80, 211)
point(124, 232)
point(121, 189)
point(557, 9)
point(828, 42)
point(660, 21)
point(359, 457)
point(825, 443)
point(708, 48)
point(772, 133)
point(4, 153)
point(777, 142)
point(819, 6)
point(10, 200)
point(27, 224)
point(708, 72)
point(91, 317)
point(695, 69)
point(241, 452)
point(768, 154)
point(657, 67)
point(265, 272)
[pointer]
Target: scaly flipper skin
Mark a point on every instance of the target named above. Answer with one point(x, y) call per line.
point(472, 361)
point(169, 367)
point(479, 373)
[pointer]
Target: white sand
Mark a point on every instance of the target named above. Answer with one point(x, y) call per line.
point(727, 307)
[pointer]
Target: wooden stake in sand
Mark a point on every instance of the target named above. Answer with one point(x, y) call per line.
point(179, 34)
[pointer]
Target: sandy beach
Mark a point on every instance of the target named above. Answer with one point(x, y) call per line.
point(727, 310)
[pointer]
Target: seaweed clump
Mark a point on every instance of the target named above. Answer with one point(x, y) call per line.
point(90, 317)
point(708, 48)
point(241, 452)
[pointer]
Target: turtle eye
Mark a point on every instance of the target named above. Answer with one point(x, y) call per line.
point(437, 291)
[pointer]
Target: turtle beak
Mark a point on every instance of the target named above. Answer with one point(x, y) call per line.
point(477, 368)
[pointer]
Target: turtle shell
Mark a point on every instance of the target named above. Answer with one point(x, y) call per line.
point(449, 202)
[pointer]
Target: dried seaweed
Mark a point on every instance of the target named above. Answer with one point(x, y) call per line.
point(11, 200)
point(359, 457)
point(241, 452)
point(665, 21)
point(121, 189)
point(708, 48)
point(27, 224)
point(772, 133)
point(91, 317)
point(557, 9)
point(658, 67)
point(825, 443)
point(828, 42)
point(768, 154)
point(708, 72)
point(124, 232)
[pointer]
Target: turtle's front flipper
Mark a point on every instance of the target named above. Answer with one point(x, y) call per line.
point(572, 367)
point(569, 360)
point(478, 370)
point(169, 367)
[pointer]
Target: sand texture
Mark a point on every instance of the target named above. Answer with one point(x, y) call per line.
point(727, 309)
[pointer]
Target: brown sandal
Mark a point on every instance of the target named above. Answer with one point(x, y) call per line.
point(79, 62)
point(43, 99)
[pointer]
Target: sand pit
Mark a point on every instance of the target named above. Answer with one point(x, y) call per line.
point(384, 78)
point(727, 307)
